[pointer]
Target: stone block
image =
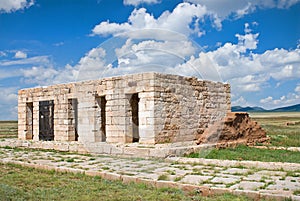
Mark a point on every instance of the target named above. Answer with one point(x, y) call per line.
point(219, 191)
point(254, 195)
point(273, 197)
point(158, 153)
point(61, 146)
point(149, 76)
point(148, 182)
point(166, 184)
point(203, 190)
point(126, 179)
point(92, 173)
point(136, 152)
point(116, 150)
point(111, 176)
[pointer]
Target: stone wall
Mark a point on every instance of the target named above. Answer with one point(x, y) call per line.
point(146, 108)
point(185, 107)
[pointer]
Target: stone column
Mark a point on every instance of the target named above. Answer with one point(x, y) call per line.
point(146, 117)
point(36, 120)
point(116, 119)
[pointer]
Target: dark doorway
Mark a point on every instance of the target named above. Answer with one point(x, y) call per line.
point(101, 119)
point(29, 121)
point(134, 103)
point(73, 118)
point(46, 120)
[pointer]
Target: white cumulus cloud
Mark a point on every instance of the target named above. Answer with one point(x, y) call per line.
point(8, 6)
point(235, 64)
point(20, 55)
point(8, 104)
point(182, 19)
point(41, 75)
point(240, 101)
point(266, 100)
point(282, 101)
point(239, 8)
point(106, 28)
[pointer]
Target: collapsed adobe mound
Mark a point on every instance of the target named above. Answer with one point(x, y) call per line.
point(236, 128)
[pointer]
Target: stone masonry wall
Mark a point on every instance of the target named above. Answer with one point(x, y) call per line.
point(171, 108)
point(186, 106)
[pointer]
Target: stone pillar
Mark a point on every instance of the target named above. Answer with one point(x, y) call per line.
point(21, 119)
point(146, 118)
point(86, 112)
point(116, 119)
point(60, 118)
point(35, 120)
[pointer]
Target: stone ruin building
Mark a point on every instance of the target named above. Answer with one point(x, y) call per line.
point(146, 108)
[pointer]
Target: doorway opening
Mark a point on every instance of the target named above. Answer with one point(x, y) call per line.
point(101, 119)
point(46, 120)
point(29, 121)
point(134, 103)
point(73, 119)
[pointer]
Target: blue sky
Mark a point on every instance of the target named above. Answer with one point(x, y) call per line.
point(253, 45)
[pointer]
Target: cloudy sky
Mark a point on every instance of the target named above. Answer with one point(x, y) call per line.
point(252, 44)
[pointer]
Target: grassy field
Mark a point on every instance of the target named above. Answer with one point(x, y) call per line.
point(8, 129)
point(242, 152)
point(21, 183)
point(275, 125)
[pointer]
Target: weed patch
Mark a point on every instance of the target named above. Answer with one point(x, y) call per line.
point(163, 177)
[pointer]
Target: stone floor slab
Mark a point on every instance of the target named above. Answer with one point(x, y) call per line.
point(224, 180)
point(273, 182)
point(195, 179)
point(248, 185)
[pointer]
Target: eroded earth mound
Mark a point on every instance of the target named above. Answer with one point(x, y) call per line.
point(236, 128)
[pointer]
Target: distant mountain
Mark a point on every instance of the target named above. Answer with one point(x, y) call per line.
point(247, 109)
point(292, 108)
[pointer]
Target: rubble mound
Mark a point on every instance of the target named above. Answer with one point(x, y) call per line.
point(235, 128)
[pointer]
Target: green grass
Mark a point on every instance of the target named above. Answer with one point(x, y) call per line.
point(21, 183)
point(163, 177)
point(242, 152)
point(275, 126)
point(8, 129)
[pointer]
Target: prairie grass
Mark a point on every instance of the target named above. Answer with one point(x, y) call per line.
point(275, 124)
point(8, 129)
point(242, 152)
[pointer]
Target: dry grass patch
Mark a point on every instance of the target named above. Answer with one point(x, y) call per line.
point(8, 129)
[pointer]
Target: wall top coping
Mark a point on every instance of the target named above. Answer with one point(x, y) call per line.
point(102, 81)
